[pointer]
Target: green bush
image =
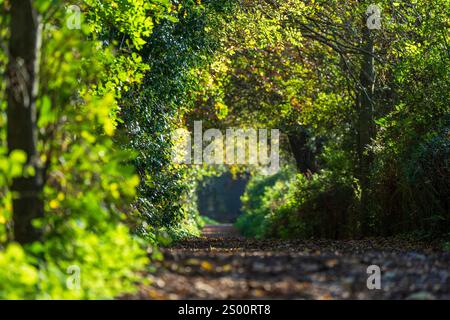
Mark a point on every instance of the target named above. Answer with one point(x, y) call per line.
point(411, 187)
point(316, 207)
point(256, 202)
point(292, 205)
point(18, 277)
point(299, 208)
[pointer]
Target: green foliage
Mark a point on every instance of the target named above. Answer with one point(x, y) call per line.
point(89, 184)
point(20, 278)
point(410, 171)
point(261, 196)
point(112, 92)
point(179, 44)
point(208, 220)
point(411, 193)
point(307, 74)
point(108, 264)
point(320, 207)
point(289, 205)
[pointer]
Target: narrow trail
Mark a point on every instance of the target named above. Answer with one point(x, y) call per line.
point(222, 265)
point(220, 231)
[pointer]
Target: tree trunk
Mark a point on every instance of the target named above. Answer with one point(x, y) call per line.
point(22, 81)
point(365, 124)
point(304, 156)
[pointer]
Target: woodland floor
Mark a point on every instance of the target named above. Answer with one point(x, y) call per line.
point(221, 265)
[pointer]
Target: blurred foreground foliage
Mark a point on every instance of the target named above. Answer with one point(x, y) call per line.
point(105, 110)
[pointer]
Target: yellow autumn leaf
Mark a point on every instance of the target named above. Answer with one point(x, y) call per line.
point(205, 265)
point(54, 204)
point(109, 127)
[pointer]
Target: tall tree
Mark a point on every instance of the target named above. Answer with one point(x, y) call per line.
point(365, 121)
point(22, 88)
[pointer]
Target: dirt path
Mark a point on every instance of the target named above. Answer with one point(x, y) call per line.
point(221, 265)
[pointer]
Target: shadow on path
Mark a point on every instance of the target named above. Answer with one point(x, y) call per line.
point(221, 265)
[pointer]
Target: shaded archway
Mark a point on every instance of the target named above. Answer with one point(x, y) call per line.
point(219, 197)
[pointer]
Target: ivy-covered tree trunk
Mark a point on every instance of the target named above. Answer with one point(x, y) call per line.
point(22, 79)
point(365, 124)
